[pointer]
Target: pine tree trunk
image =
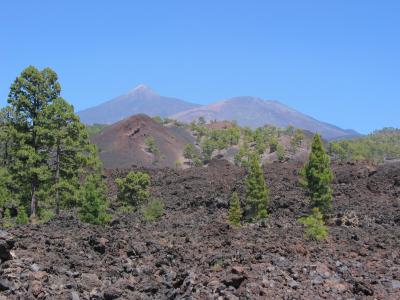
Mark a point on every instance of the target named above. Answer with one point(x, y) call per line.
point(57, 181)
point(33, 202)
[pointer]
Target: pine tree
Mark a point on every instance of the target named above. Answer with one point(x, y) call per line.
point(317, 176)
point(273, 144)
point(190, 152)
point(69, 151)
point(256, 190)
point(296, 140)
point(43, 144)
point(207, 147)
point(280, 152)
point(134, 188)
point(152, 147)
point(201, 121)
point(29, 95)
point(94, 203)
point(6, 116)
point(22, 216)
point(259, 138)
point(242, 157)
point(315, 226)
point(235, 212)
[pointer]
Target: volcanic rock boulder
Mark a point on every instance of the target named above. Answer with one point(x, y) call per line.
point(6, 244)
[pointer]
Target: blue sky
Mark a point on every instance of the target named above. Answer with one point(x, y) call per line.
point(338, 61)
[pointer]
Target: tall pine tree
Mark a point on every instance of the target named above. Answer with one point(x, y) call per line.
point(317, 176)
point(256, 190)
point(44, 146)
point(29, 95)
point(69, 150)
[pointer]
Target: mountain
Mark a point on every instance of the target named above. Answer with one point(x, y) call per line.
point(255, 112)
point(142, 99)
point(247, 111)
point(123, 144)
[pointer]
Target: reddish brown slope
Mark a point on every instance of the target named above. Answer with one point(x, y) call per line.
point(123, 144)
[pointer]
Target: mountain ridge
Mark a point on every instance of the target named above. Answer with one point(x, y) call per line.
point(256, 112)
point(246, 110)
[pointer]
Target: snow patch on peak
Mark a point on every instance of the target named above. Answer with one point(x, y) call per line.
point(141, 88)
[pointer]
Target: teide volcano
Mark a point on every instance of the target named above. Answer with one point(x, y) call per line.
point(142, 99)
point(246, 111)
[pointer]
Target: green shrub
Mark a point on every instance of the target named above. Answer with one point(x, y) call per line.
point(296, 140)
point(273, 144)
point(289, 130)
point(207, 148)
point(125, 209)
point(261, 144)
point(239, 156)
point(152, 146)
point(158, 119)
point(45, 215)
point(280, 152)
point(134, 188)
point(233, 135)
point(191, 153)
point(337, 151)
point(242, 157)
point(5, 195)
point(315, 226)
point(153, 210)
point(235, 212)
point(22, 216)
point(7, 220)
point(94, 203)
point(197, 162)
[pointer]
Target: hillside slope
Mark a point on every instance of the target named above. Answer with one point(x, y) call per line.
point(124, 143)
point(255, 112)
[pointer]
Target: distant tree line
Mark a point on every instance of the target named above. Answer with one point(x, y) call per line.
point(378, 146)
point(259, 141)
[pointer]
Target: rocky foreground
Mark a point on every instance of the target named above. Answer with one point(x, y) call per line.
point(192, 253)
